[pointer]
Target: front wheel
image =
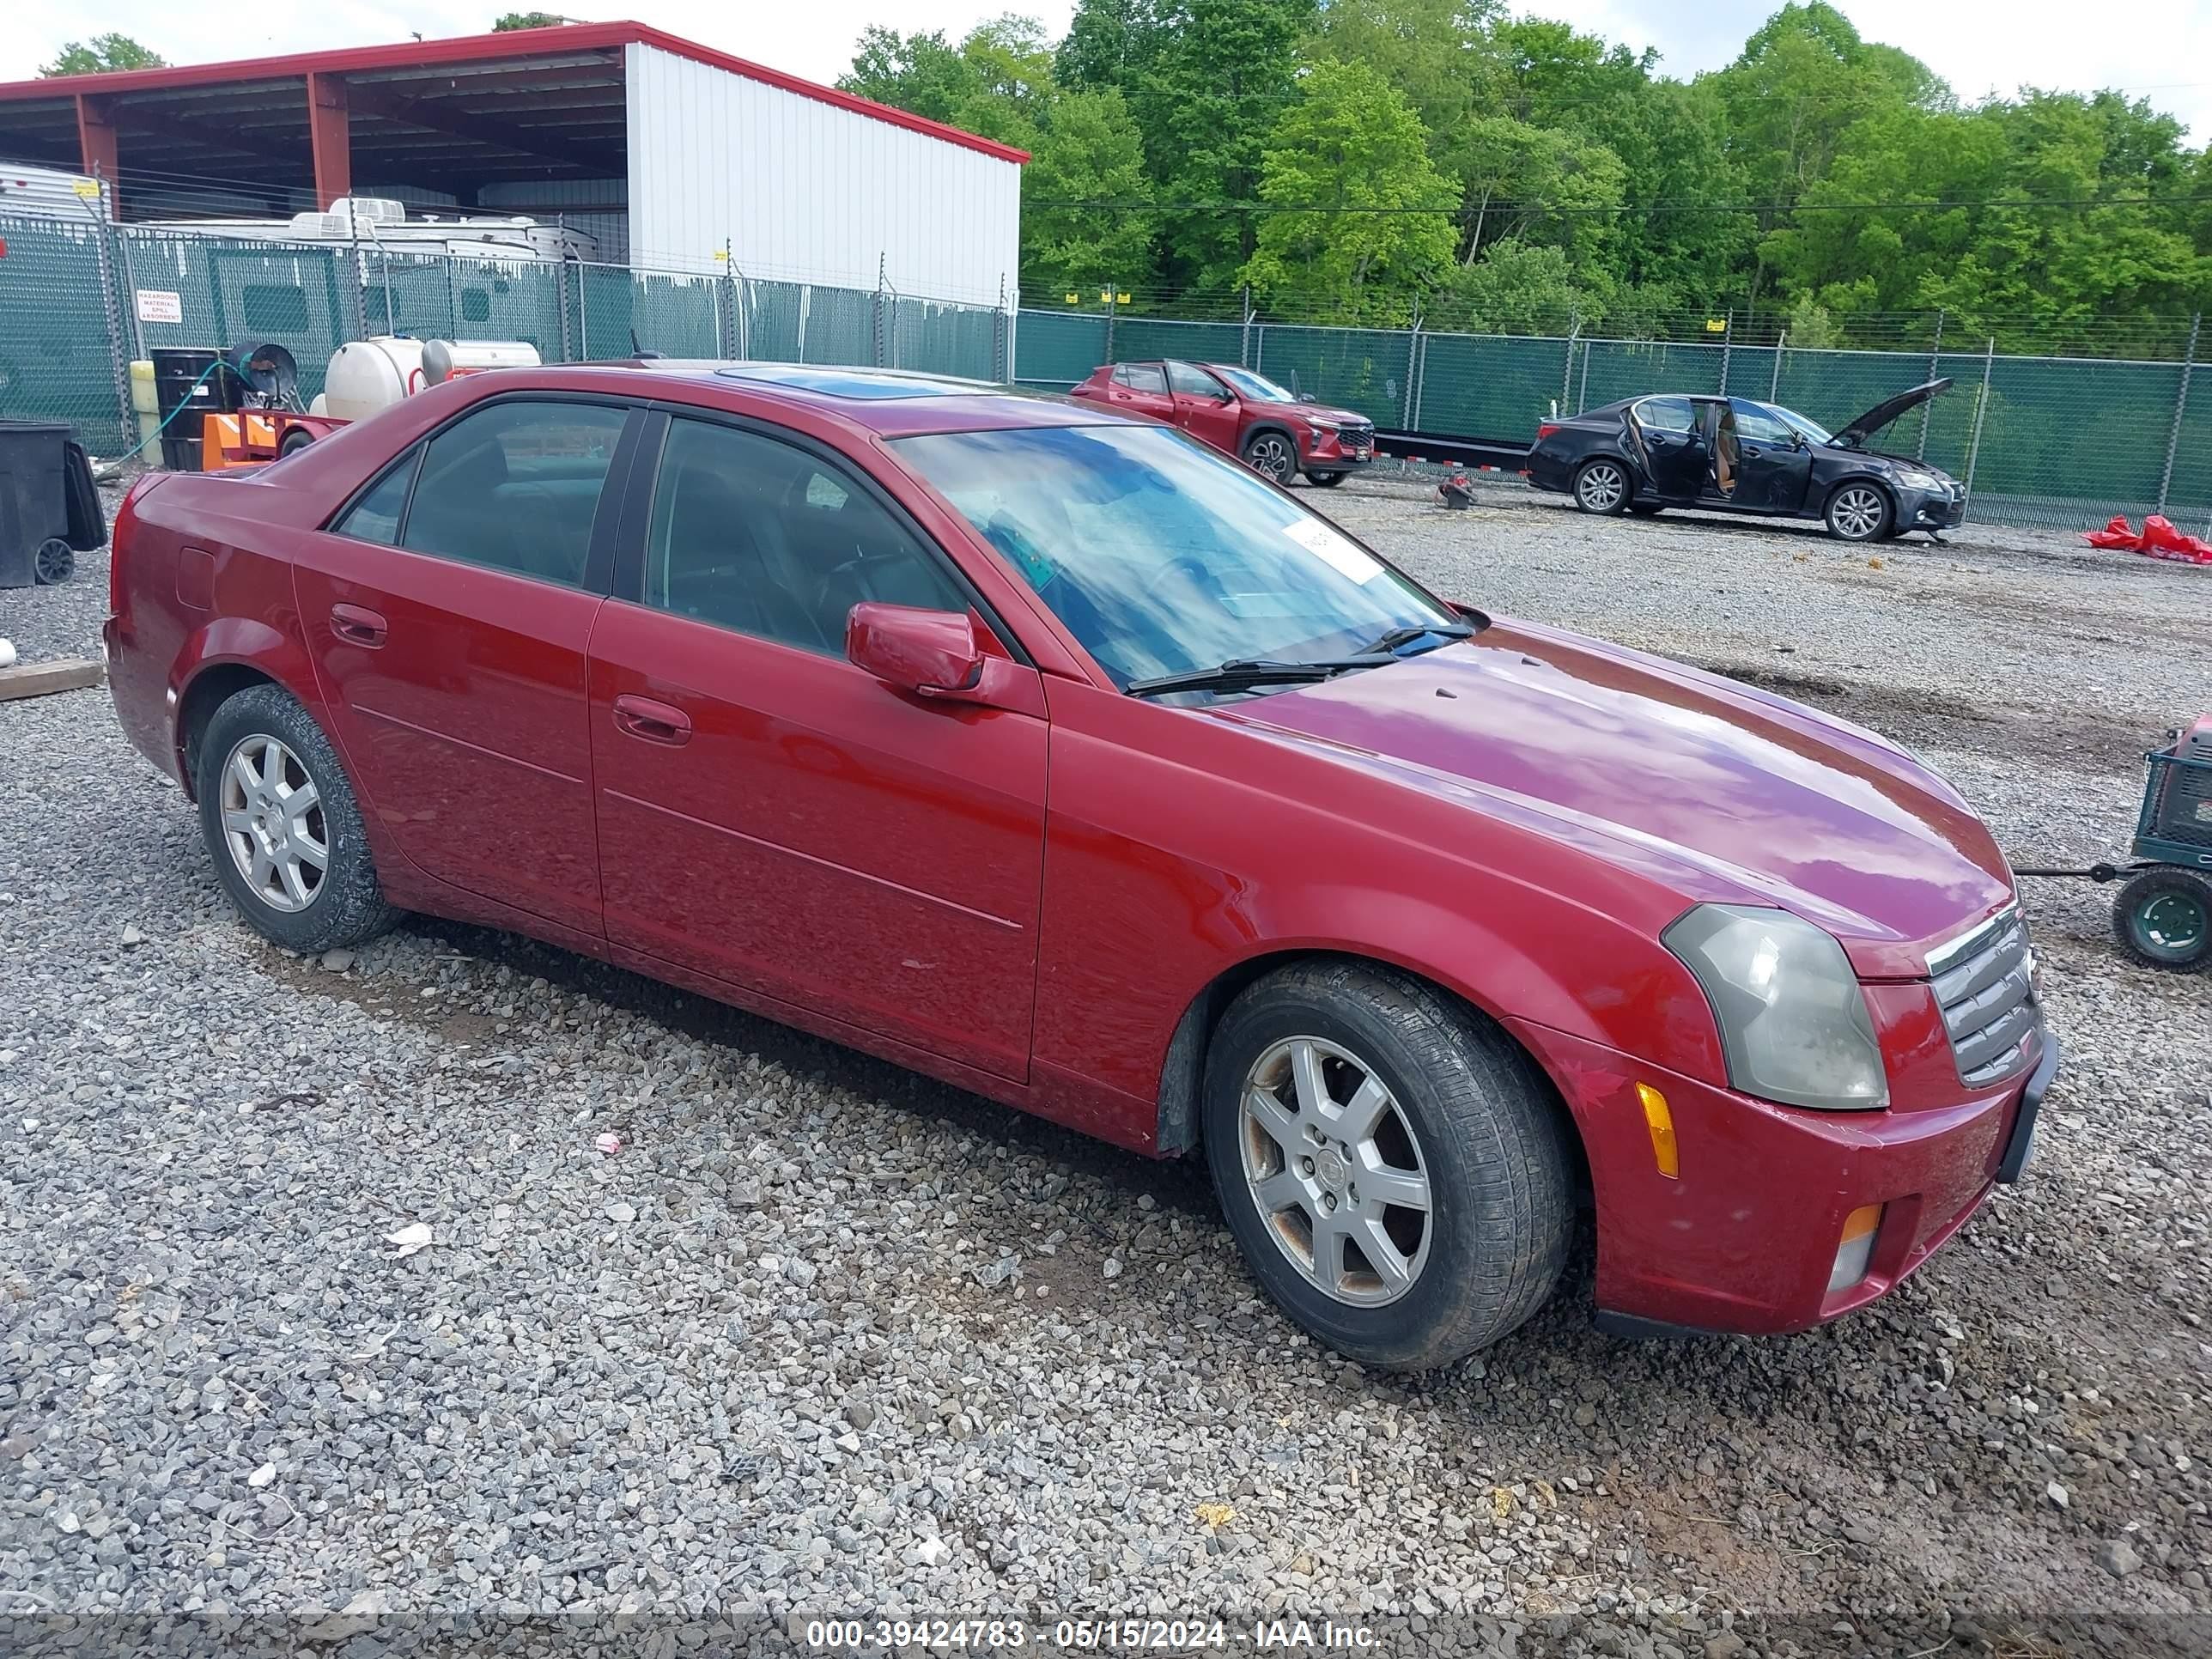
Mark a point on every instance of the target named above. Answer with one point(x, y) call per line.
point(1858, 513)
point(279, 817)
point(2164, 919)
point(1271, 456)
point(1325, 480)
point(1391, 1167)
point(1601, 486)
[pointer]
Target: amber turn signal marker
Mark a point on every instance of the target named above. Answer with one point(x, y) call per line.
point(1861, 1222)
point(1660, 1122)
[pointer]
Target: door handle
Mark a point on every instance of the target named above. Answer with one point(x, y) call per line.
point(357, 625)
point(653, 722)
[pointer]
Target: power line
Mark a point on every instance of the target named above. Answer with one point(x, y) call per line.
point(1464, 210)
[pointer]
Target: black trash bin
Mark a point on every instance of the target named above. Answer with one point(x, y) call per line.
point(181, 380)
point(34, 502)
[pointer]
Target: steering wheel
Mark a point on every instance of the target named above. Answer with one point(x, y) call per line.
point(1199, 570)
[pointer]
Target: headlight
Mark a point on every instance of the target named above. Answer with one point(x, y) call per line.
point(1913, 479)
point(1793, 1022)
point(1319, 425)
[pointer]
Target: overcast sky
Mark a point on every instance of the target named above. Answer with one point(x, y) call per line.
point(1979, 45)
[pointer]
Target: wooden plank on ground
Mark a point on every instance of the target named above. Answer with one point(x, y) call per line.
point(37, 679)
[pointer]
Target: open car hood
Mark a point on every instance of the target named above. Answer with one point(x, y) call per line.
point(1856, 435)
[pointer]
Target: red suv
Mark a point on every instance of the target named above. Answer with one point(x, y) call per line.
point(1271, 430)
point(1044, 751)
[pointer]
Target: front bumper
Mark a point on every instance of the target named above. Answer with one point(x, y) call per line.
point(1931, 509)
point(1329, 452)
point(1744, 1238)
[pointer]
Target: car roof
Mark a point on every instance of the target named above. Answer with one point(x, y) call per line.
point(890, 402)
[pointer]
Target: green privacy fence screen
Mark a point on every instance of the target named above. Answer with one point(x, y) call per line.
point(79, 301)
point(2058, 442)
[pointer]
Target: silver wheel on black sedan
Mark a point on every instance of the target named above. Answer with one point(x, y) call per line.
point(272, 824)
point(1335, 1172)
point(1858, 513)
point(1601, 487)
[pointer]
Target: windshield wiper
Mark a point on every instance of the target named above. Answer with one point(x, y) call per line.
point(1244, 673)
point(1412, 631)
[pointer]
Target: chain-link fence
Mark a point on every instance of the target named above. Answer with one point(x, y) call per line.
point(78, 303)
point(2055, 442)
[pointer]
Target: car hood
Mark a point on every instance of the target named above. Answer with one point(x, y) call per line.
point(1724, 791)
point(1854, 435)
point(1320, 412)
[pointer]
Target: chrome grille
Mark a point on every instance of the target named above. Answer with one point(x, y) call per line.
point(1984, 982)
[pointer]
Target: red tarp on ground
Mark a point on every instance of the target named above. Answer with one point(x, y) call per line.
point(2158, 538)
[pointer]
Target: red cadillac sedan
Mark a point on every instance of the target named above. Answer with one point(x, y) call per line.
point(1055, 754)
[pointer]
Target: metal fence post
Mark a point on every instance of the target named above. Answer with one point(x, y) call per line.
point(726, 304)
point(112, 304)
point(1774, 385)
point(1111, 290)
point(1420, 384)
point(1002, 367)
point(1413, 354)
point(1567, 370)
point(1244, 338)
point(359, 285)
point(2180, 404)
point(1934, 360)
point(1981, 408)
point(1582, 393)
point(882, 265)
point(1728, 344)
point(560, 294)
point(583, 313)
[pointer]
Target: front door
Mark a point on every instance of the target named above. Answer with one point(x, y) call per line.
point(1774, 464)
point(772, 816)
point(448, 613)
point(1675, 457)
point(1205, 408)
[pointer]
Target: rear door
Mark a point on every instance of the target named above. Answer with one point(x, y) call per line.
point(1773, 467)
point(1675, 457)
point(772, 815)
point(1205, 408)
point(447, 610)
point(1142, 389)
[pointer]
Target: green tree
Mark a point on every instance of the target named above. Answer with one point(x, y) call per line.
point(1515, 289)
point(1435, 52)
point(1351, 142)
point(101, 54)
point(1086, 151)
point(527, 19)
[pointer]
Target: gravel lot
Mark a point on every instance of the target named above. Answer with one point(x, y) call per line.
point(824, 1337)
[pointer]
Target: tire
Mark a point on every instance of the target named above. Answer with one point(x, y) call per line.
point(1465, 1113)
point(344, 904)
point(1647, 509)
point(1325, 480)
point(53, 560)
point(295, 440)
point(1272, 455)
point(2163, 918)
point(1601, 486)
point(1859, 512)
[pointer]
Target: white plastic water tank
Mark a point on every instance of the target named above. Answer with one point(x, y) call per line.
point(369, 375)
point(442, 359)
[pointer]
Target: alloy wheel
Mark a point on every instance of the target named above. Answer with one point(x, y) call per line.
point(1600, 486)
point(1271, 455)
point(1334, 1171)
point(1858, 512)
point(273, 823)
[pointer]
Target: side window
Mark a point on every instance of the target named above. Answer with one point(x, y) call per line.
point(515, 487)
point(1121, 374)
point(1666, 414)
point(1147, 377)
point(1754, 425)
point(375, 516)
point(759, 536)
point(1194, 382)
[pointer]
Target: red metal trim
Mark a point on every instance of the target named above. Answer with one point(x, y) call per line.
point(95, 142)
point(482, 48)
point(329, 136)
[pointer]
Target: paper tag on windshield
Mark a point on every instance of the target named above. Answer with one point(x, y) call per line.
point(1342, 555)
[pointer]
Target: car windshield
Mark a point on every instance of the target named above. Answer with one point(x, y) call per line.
point(1814, 431)
point(1256, 386)
point(1163, 557)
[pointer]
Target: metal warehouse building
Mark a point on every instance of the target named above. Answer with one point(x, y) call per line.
point(675, 156)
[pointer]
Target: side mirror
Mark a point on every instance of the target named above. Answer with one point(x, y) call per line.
point(931, 653)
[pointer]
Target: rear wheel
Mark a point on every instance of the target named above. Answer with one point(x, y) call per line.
point(1325, 480)
point(1390, 1165)
point(2164, 919)
point(279, 817)
point(1601, 486)
point(1858, 512)
point(1269, 454)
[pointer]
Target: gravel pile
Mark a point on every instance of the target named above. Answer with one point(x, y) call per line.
point(319, 1301)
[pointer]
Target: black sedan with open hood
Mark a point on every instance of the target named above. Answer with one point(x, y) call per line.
point(1733, 455)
